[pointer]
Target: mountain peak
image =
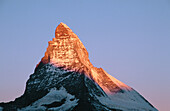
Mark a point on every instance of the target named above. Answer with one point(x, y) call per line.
point(62, 29)
point(64, 25)
point(66, 80)
point(66, 50)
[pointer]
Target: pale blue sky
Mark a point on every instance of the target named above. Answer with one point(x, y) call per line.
point(130, 39)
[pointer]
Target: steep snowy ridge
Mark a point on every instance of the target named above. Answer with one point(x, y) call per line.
point(65, 80)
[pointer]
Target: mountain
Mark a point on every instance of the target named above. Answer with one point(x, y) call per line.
point(65, 80)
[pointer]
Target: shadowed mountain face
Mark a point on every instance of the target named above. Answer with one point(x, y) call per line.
point(65, 80)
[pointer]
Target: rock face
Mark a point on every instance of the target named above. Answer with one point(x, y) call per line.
point(66, 50)
point(65, 80)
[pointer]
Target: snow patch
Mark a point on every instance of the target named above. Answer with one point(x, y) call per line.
point(1, 108)
point(128, 101)
point(117, 82)
point(53, 96)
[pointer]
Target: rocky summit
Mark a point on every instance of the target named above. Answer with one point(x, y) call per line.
point(65, 80)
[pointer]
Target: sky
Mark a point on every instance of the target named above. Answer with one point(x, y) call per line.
point(129, 39)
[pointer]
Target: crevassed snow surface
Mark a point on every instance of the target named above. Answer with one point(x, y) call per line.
point(127, 101)
point(53, 96)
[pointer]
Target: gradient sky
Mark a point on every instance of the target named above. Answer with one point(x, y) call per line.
point(129, 39)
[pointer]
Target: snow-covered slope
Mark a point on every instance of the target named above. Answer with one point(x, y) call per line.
point(58, 100)
point(124, 99)
point(65, 79)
